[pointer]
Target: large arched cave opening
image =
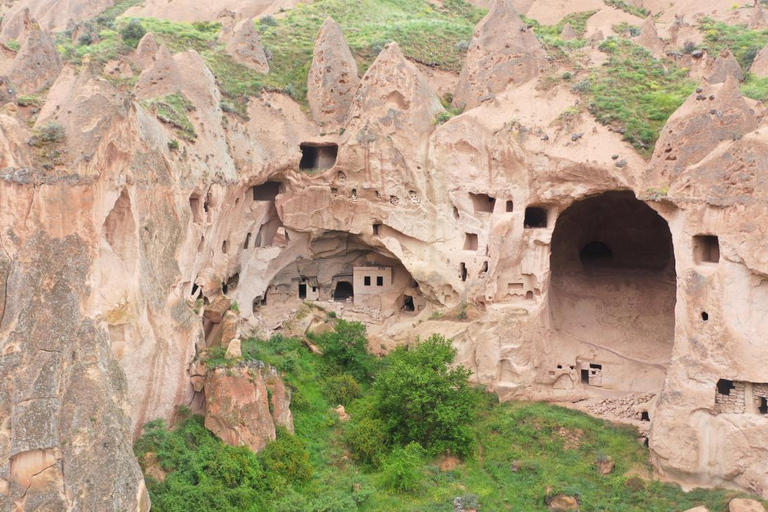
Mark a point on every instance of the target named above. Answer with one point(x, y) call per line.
point(612, 295)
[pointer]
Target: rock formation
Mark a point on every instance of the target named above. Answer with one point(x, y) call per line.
point(245, 47)
point(503, 52)
point(37, 64)
point(238, 405)
point(562, 264)
point(725, 65)
point(650, 39)
point(568, 33)
point(759, 66)
point(333, 76)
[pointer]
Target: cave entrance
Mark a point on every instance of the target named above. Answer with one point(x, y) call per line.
point(343, 292)
point(318, 157)
point(613, 290)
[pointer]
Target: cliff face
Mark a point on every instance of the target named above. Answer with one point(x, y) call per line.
point(560, 262)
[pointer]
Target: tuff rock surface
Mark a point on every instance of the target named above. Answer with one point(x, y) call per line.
point(560, 272)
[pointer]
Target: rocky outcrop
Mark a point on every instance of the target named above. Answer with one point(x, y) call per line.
point(145, 52)
point(649, 38)
point(745, 505)
point(725, 66)
point(245, 47)
point(759, 19)
point(333, 79)
point(38, 62)
point(52, 15)
point(568, 34)
point(503, 52)
point(710, 115)
point(238, 404)
point(759, 66)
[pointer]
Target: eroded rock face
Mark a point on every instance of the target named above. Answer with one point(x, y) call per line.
point(38, 63)
point(650, 39)
point(503, 52)
point(333, 76)
point(245, 47)
point(238, 405)
point(725, 66)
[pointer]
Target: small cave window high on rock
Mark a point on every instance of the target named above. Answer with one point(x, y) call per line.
point(535, 217)
point(482, 203)
point(266, 191)
point(318, 156)
point(706, 249)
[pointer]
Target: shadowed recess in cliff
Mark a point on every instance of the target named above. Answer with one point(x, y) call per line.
point(612, 295)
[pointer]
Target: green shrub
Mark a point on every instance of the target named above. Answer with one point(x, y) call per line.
point(366, 435)
point(402, 469)
point(421, 398)
point(345, 350)
point(132, 33)
point(173, 145)
point(204, 473)
point(342, 389)
point(51, 133)
point(287, 457)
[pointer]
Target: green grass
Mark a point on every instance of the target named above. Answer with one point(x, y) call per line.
point(743, 43)
point(635, 93)
point(522, 449)
point(549, 35)
point(172, 110)
point(436, 36)
point(627, 7)
point(755, 88)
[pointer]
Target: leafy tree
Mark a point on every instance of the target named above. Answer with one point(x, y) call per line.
point(132, 33)
point(287, 457)
point(345, 350)
point(421, 398)
point(342, 389)
point(403, 468)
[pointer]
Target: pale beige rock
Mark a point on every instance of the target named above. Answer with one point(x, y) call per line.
point(568, 33)
point(194, 10)
point(238, 405)
point(246, 48)
point(759, 19)
point(234, 350)
point(333, 79)
point(745, 505)
point(53, 15)
point(725, 66)
point(145, 52)
point(698, 509)
point(38, 63)
point(650, 39)
point(759, 66)
point(503, 52)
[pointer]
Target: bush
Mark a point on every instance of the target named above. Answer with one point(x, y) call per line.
point(342, 389)
point(402, 468)
point(51, 133)
point(132, 33)
point(206, 474)
point(287, 457)
point(422, 399)
point(345, 350)
point(365, 434)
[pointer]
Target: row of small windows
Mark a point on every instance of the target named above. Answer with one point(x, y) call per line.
point(379, 280)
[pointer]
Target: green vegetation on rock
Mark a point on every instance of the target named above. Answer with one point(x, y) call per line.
point(739, 39)
point(519, 449)
point(172, 110)
point(635, 93)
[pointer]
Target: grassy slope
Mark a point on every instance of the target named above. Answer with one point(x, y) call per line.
point(523, 448)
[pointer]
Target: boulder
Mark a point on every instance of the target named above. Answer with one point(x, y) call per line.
point(238, 405)
point(698, 509)
point(745, 505)
point(245, 47)
point(333, 79)
point(503, 52)
point(216, 310)
point(562, 503)
point(725, 65)
point(234, 350)
point(605, 465)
